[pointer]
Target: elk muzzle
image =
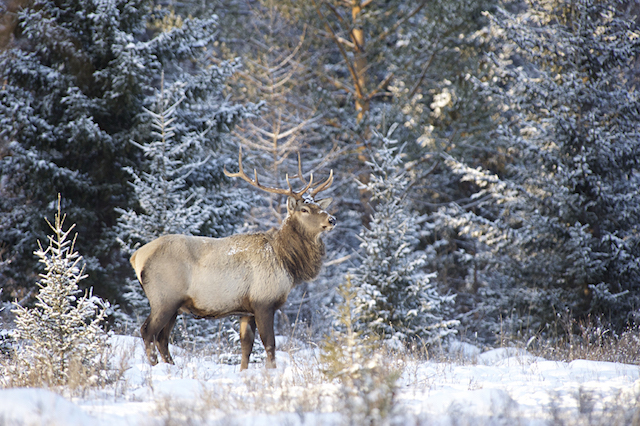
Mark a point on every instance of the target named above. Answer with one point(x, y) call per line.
point(331, 223)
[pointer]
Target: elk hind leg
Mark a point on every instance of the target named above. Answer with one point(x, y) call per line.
point(149, 342)
point(264, 320)
point(162, 341)
point(151, 328)
point(247, 337)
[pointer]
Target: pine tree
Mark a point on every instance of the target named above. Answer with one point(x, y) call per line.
point(276, 74)
point(168, 203)
point(395, 298)
point(569, 203)
point(61, 341)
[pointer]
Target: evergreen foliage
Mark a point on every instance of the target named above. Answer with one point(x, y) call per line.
point(568, 206)
point(523, 174)
point(395, 298)
point(76, 76)
point(60, 341)
point(171, 200)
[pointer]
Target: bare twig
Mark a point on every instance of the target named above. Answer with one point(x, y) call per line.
point(383, 84)
point(401, 21)
point(424, 70)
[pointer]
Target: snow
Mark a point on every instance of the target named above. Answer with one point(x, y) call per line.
point(499, 386)
point(39, 406)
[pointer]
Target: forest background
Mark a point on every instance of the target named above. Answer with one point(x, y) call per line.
point(488, 149)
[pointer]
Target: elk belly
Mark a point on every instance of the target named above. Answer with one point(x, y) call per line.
point(217, 293)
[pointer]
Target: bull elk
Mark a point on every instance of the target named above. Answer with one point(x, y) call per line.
point(249, 275)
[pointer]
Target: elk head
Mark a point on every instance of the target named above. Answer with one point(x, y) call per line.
point(311, 215)
point(305, 210)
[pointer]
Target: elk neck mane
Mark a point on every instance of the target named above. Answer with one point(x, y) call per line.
point(300, 252)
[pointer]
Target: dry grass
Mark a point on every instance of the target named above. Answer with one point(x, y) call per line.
point(588, 340)
point(300, 389)
point(592, 411)
point(296, 392)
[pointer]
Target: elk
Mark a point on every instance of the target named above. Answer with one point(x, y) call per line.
point(249, 275)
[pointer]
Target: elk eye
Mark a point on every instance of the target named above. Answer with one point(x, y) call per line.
point(304, 210)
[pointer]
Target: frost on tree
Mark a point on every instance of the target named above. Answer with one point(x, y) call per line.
point(60, 341)
point(167, 204)
point(395, 298)
point(568, 204)
point(75, 78)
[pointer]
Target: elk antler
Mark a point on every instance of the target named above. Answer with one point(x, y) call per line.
point(254, 182)
point(325, 185)
point(318, 187)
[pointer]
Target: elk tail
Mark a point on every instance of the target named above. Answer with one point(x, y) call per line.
point(133, 264)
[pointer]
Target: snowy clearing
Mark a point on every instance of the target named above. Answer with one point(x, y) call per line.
point(501, 386)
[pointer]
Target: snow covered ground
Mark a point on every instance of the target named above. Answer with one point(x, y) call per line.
point(498, 387)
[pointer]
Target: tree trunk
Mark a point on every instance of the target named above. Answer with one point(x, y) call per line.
point(360, 61)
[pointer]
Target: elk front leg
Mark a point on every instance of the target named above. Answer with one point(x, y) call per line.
point(264, 319)
point(247, 336)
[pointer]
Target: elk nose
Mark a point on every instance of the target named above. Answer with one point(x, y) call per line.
point(332, 221)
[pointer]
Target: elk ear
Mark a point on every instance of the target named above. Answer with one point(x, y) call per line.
point(291, 204)
point(324, 203)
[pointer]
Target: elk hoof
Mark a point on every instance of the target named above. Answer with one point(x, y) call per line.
point(167, 359)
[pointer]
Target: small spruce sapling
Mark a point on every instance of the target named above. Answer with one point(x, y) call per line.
point(60, 341)
point(368, 383)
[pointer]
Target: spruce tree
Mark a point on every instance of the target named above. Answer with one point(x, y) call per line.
point(60, 341)
point(568, 205)
point(395, 297)
point(76, 75)
point(170, 200)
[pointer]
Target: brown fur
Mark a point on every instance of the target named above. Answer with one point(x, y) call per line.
point(300, 253)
